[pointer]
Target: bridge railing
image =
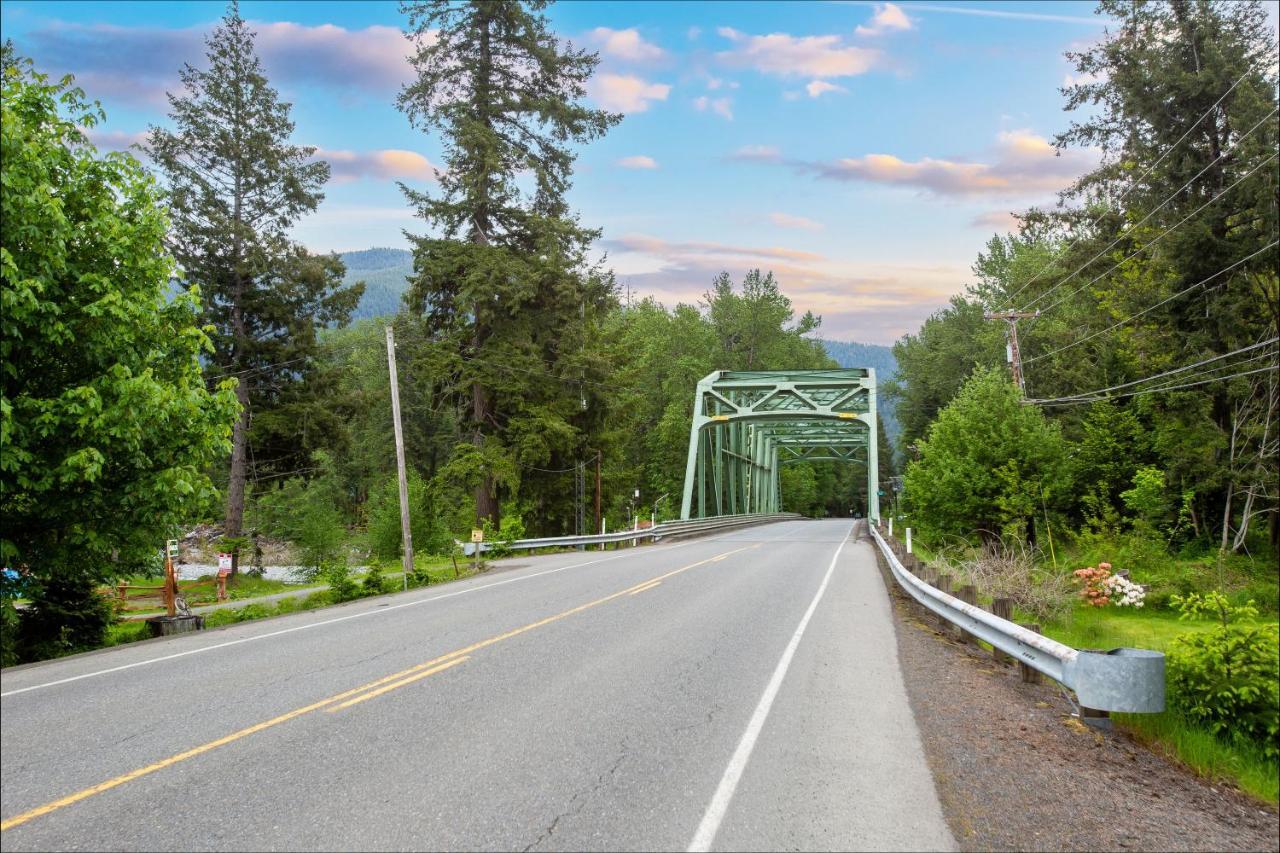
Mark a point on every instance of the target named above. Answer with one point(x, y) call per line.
point(1122, 679)
point(667, 529)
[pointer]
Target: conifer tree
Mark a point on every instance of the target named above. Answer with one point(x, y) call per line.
point(236, 185)
point(507, 294)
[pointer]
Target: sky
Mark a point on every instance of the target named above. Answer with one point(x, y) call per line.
point(863, 152)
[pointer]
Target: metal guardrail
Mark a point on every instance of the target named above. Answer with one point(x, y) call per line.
point(666, 529)
point(1122, 679)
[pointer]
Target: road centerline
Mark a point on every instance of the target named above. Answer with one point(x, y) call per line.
point(400, 678)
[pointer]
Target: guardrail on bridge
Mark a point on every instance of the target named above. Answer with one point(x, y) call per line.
point(666, 529)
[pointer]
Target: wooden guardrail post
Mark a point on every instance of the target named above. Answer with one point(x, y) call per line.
point(1029, 675)
point(1002, 607)
point(969, 595)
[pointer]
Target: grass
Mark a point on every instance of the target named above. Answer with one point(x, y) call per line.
point(1169, 733)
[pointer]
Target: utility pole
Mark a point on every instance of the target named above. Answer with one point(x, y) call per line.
point(405, 530)
point(1012, 353)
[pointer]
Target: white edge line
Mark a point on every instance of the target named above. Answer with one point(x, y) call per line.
point(372, 612)
point(710, 825)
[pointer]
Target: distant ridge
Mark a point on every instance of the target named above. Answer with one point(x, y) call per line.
point(384, 273)
point(886, 367)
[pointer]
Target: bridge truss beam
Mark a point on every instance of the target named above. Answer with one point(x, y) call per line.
point(747, 424)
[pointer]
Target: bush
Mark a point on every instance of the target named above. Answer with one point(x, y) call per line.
point(341, 586)
point(8, 633)
point(1010, 572)
point(511, 529)
point(1228, 679)
point(374, 583)
point(66, 615)
point(316, 599)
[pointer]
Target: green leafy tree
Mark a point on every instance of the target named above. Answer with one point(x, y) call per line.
point(106, 425)
point(508, 296)
point(985, 463)
point(236, 186)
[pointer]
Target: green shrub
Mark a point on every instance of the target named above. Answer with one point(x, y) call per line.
point(341, 586)
point(374, 583)
point(1228, 679)
point(218, 618)
point(317, 599)
point(66, 615)
point(511, 529)
point(8, 633)
point(287, 605)
point(252, 611)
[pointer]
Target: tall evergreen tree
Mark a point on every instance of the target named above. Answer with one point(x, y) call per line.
point(509, 298)
point(236, 186)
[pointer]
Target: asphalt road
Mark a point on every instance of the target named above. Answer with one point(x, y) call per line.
point(732, 692)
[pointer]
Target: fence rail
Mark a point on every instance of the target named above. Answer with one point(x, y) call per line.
point(1121, 679)
point(665, 530)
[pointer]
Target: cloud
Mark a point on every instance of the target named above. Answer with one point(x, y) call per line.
point(1001, 219)
point(386, 164)
point(786, 220)
point(1023, 164)
point(116, 140)
point(625, 45)
point(872, 303)
point(138, 65)
point(758, 154)
point(639, 161)
point(885, 19)
point(693, 32)
point(626, 93)
point(1099, 21)
point(818, 87)
point(722, 107)
point(785, 55)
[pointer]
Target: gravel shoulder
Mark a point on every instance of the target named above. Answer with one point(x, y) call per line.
point(1016, 771)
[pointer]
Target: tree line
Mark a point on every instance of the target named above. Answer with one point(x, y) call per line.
point(1151, 368)
point(172, 355)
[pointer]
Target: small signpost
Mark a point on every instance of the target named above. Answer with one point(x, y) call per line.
point(477, 536)
point(224, 572)
point(171, 577)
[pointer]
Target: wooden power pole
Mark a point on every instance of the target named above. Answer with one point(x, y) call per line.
point(1012, 352)
point(405, 530)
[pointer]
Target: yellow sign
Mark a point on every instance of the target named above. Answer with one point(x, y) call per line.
point(477, 535)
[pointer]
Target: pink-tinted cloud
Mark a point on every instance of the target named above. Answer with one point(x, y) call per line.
point(116, 140)
point(999, 219)
point(817, 88)
point(1023, 164)
point(722, 107)
point(758, 154)
point(872, 303)
point(786, 220)
point(786, 55)
point(886, 19)
point(625, 45)
point(385, 165)
point(638, 161)
point(626, 93)
point(138, 65)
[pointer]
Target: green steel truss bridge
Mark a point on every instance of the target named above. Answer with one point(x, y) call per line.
point(747, 424)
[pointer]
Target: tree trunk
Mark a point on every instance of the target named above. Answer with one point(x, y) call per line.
point(239, 464)
point(486, 499)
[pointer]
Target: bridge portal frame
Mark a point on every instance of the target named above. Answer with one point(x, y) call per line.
point(747, 424)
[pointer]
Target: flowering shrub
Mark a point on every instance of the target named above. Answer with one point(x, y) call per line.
point(1094, 589)
point(1099, 587)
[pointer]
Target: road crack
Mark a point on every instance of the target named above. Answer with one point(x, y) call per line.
point(579, 800)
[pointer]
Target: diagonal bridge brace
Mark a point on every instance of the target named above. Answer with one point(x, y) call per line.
point(746, 424)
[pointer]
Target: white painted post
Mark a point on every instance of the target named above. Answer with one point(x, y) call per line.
point(604, 525)
point(908, 540)
point(891, 526)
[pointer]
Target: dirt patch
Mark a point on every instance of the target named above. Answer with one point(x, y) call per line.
point(1016, 770)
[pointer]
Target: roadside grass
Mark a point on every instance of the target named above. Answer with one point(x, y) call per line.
point(1241, 577)
point(1169, 733)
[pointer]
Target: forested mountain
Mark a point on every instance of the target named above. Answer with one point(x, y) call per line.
point(385, 273)
point(880, 358)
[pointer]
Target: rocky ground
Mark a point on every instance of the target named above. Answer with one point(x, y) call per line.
point(1016, 770)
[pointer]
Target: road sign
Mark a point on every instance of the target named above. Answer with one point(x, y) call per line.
point(477, 535)
point(224, 564)
point(171, 549)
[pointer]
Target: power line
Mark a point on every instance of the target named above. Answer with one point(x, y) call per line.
point(1092, 395)
point(1073, 402)
point(1149, 308)
point(1174, 371)
point(1142, 177)
point(1141, 249)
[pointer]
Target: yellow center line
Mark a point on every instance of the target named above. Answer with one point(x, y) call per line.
point(646, 587)
point(400, 678)
point(393, 685)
